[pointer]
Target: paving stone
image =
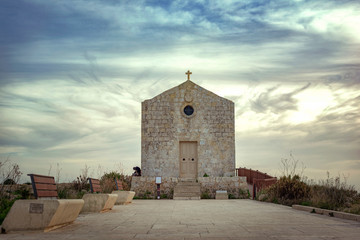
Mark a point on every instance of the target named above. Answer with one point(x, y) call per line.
point(204, 219)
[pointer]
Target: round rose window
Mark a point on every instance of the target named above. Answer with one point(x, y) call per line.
point(188, 110)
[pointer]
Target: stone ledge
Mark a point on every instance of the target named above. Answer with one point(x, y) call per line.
point(124, 197)
point(46, 215)
point(98, 202)
point(221, 195)
point(331, 213)
point(145, 186)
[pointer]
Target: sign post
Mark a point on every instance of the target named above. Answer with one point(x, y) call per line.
point(158, 182)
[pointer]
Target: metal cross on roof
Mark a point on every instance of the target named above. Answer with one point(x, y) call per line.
point(188, 74)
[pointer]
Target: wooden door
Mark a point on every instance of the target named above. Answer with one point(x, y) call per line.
point(188, 159)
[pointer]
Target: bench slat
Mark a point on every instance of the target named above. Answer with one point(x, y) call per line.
point(95, 181)
point(42, 186)
point(44, 193)
point(44, 179)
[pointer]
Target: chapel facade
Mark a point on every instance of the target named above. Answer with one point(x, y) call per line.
point(187, 132)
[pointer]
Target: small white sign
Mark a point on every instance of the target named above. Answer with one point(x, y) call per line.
point(157, 180)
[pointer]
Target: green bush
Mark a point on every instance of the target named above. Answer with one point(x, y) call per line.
point(79, 195)
point(289, 190)
point(164, 196)
point(9, 181)
point(6, 202)
point(205, 195)
point(244, 194)
point(22, 193)
point(5, 206)
point(63, 193)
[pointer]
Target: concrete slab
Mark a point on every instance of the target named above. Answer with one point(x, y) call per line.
point(124, 197)
point(221, 195)
point(98, 202)
point(204, 219)
point(28, 215)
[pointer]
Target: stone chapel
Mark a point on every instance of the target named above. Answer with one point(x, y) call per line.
point(187, 135)
point(187, 132)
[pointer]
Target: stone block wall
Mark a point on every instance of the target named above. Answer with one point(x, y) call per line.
point(145, 187)
point(164, 124)
point(236, 187)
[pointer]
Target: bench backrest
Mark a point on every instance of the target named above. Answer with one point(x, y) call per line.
point(118, 184)
point(94, 185)
point(43, 186)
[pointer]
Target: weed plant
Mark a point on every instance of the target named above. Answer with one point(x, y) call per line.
point(289, 190)
point(332, 193)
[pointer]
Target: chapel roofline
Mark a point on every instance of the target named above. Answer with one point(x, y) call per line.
point(190, 83)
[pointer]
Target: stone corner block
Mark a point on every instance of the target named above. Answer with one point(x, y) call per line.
point(101, 202)
point(220, 195)
point(124, 197)
point(46, 215)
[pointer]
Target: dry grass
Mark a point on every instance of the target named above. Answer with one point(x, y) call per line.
point(332, 193)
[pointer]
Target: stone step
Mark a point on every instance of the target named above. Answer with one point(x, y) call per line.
point(187, 184)
point(186, 195)
point(187, 180)
point(186, 198)
point(187, 191)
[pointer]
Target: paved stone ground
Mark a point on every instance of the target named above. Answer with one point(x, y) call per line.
point(204, 219)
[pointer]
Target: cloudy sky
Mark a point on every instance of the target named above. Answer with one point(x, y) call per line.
point(73, 75)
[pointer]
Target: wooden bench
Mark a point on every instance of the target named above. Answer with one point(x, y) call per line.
point(94, 185)
point(118, 184)
point(96, 201)
point(43, 186)
point(44, 213)
point(124, 197)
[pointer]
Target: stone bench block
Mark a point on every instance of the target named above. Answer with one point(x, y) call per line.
point(221, 195)
point(124, 197)
point(27, 215)
point(98, 202)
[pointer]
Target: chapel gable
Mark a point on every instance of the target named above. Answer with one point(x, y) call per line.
point(187, 132)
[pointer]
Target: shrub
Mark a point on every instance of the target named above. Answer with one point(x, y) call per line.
point(333, 194)
point(22, 192)
point(5, 206)
point(108, 183)
point(244, 194)
point(164, 196)
point(10, 174)
point(206, 194)
point(6, 202)
point(64, 192)
point(289, 190)
point(81, 183)
point(9, 182)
